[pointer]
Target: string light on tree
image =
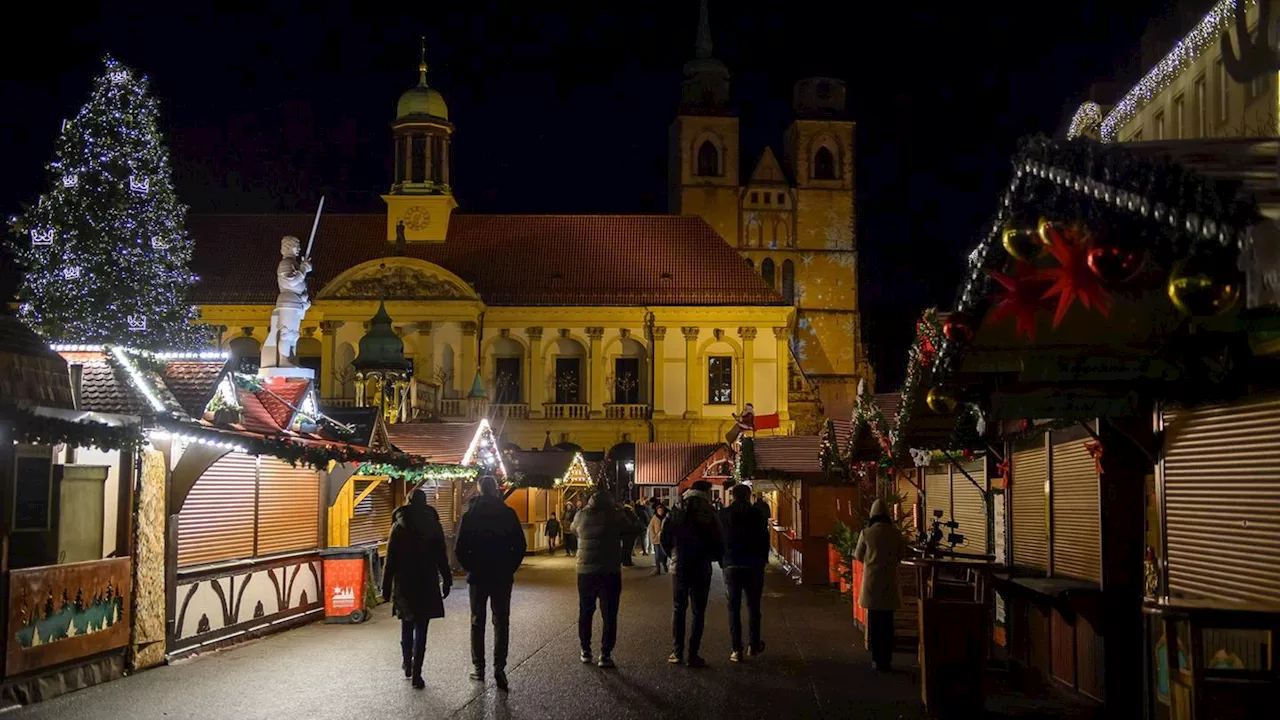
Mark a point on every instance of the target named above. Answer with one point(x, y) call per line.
point(109, 193)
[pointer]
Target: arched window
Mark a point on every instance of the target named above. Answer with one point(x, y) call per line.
point(824, 164)
point(788, 281)
point(766, 270)
point(248, 353)
point(708, 159)
point(755, 232)
point(750, 265)
point(780, 233)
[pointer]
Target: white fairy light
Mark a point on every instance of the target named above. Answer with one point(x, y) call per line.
point(135, 375)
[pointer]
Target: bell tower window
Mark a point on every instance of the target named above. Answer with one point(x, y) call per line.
point(708, 159)
point(418, 160)
point(437, 159)
point(824, 164)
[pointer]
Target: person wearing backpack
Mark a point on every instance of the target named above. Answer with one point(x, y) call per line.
point(692, 536)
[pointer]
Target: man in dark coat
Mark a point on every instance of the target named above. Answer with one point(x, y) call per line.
point(692, 536)
point(599, 527)
point(490, 547)
point(630, 532)
point(746, 551)
point(416, 578)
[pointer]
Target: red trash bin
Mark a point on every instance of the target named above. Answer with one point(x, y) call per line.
point(345, 570)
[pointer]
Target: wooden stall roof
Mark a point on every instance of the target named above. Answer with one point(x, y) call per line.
point(31, 373)
point(667, 463)
point(798, 455)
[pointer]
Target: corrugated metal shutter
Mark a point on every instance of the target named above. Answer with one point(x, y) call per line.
point(910, 496)
point(937, 493)
point(216, 522)
point(1077, 546)
point(970, 508)
point(1222, 501)
point(441, 498)
point(1028, 524)
point(288, 507)
point(371, 521)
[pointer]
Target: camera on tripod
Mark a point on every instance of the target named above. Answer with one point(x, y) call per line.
point(936, 533)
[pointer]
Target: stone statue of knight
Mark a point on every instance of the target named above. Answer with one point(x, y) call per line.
point(291, 306)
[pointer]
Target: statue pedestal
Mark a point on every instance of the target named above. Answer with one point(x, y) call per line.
point(287, 372)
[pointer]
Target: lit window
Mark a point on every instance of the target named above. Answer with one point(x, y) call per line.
point(720, 381)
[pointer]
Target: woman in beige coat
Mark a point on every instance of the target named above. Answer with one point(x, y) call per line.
point(655, 537)
point(880, 549)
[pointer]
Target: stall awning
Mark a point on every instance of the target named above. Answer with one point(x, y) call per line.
point(672, 463)
point(797, 455)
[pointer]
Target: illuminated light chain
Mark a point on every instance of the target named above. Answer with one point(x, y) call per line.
point(71, 348)
point(203, 355)
point(1088, 115)
point(197, 439)
point(138, 380)
point(1203, 36)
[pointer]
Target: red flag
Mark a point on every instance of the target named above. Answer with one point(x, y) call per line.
point(767, 422)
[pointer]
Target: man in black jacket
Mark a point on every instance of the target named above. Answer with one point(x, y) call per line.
point(599, 527)
point(692, 536)
point(746, 551)
point(490, 547)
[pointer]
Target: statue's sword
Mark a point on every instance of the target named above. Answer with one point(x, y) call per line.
point(314, 225)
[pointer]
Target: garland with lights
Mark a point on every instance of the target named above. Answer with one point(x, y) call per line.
point(829, 453)
point(1190, 223)
point(29, 428)
point(921, 359)
point(105, 249)
point(428, 471)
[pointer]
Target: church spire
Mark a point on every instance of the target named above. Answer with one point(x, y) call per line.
point(422, 62)
point(703, 46)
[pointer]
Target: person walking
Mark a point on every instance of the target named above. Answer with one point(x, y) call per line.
point(642, 514)
point(692, 536)
point(552, 532)
point(880, 548)
point(570, 539)
point(655, 539)
point(599, 527)
point(746, 552)
point(416, 578)
point(490, 547)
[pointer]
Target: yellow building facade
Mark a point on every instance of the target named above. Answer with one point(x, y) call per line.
point(1188, 93)
point(791, 217)
point(586, 329)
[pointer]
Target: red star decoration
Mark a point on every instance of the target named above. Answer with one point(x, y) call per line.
point(1073, 280)
point(1021, 297)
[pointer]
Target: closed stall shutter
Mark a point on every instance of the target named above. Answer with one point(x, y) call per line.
point(937, 493)
point(1077, 548)
point(371, 520)
point(970, 507)
point(1029, 526)
point(216, 522)
point(288, 507)
point(1222, 501)
point(440, 497)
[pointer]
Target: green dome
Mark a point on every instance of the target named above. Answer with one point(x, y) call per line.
point(422, 100)
point(381, 348)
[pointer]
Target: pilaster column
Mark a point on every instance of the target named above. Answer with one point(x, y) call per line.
point(462, 380)
point(748, 336)
point(598, 392)
point(536, 387)
point(424, 353)
point(783, 337)
point(659, 371)
point(329, 358)
point(692, 374)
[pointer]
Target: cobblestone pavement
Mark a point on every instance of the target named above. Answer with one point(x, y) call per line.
point(814, 666)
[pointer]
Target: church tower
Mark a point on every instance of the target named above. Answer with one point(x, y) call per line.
point(703, 165)
point(421, 198)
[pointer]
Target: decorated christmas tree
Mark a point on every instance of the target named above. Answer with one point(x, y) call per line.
point(105, 251)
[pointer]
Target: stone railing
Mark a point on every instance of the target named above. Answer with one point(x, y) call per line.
point(453, 407)
point(626, 411)
point(566, 411)
point(510, 411)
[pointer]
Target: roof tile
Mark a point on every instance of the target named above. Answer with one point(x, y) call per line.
point(445, 442)
point(193, 382)
point(106, 390)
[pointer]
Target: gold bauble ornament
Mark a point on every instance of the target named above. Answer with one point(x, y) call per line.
point(1198, 288)
point(1022, 243)
point(941, 400)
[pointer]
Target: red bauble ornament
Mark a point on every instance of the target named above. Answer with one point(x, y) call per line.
point(1072, 280)
point(958, 328)
point(1114, 265)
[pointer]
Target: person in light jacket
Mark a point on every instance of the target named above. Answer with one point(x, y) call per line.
point(655, 539)
point(880, 549)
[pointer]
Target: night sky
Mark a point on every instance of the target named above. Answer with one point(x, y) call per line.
point(567, 110)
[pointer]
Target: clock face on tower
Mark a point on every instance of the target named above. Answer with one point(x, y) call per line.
point(417, 217)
